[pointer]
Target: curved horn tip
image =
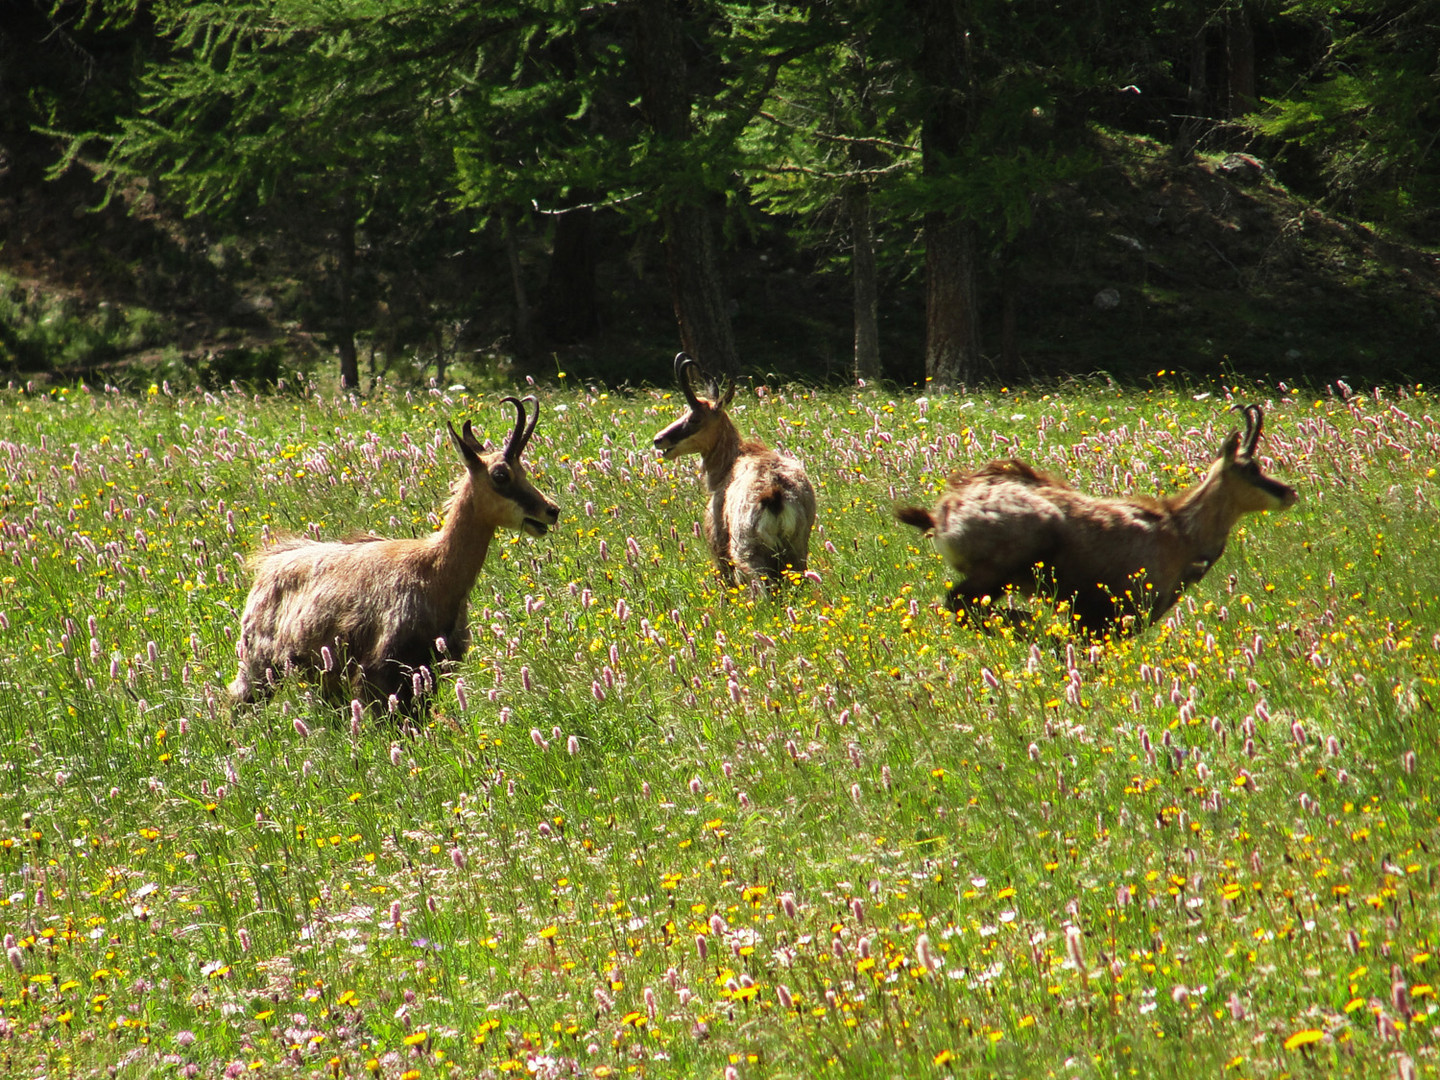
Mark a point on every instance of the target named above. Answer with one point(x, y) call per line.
point(514, 440)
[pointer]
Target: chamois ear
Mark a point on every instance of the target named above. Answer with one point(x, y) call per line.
point(729, 394)
point(1230, 447)
point(465, 444)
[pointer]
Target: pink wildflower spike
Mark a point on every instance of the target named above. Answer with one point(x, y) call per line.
point(544, 828)
point(327, 658)
point(1408, 761)
point(597, 691)
point(885, 776)
point(717, 925)
point(1034, 752)
point(458, 858)
point(701, 948)
point(395, 913)
point(651, 1008)
point(645, 788)
point(727, 769)
point(572, 744)
point(525, 678)
point(395, 756)
point(1180, 993)
point(16, 958)
point(744, 801)
point(1123, 896)
point(857, 910)
point(990, 680)
point(301, 729)
point(1297, 732)
point(1400, 997)
point(782, 992)
point(538, 739)
point(862, 948)
point(855, 794)
point(1352, 942)
point(1075, 947)
point(244, 938)
point(461, 697)
point(695, 786)
point(925, 953)
point(1236, 1007)
point(787, 904)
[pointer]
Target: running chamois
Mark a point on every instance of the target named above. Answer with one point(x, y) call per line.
point(1121, 563)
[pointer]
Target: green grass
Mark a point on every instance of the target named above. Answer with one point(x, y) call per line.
point(631, 764)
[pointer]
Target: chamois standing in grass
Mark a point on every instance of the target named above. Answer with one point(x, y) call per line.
point(761, 507)
point(1118, 561)
point(368, 614)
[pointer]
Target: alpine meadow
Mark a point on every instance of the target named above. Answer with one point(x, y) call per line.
point(653, 827)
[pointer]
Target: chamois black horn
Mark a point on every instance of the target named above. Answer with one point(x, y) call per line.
point(515, 441)
point(683, 366)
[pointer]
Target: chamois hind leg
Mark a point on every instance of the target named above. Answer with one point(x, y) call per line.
point(970, 594)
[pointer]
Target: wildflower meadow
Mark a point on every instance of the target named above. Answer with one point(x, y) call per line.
point(654, 828)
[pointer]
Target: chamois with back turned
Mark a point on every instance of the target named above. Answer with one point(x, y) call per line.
point(369, 614)
point(762, 506)
point(1122, 563)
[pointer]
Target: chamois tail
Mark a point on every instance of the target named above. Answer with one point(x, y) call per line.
point(915, 515)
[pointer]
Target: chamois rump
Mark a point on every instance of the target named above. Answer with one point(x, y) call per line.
point(762, 506)
point(1122, 563)
point(368, 614)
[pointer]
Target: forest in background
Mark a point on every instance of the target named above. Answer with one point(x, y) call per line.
point(953, 190)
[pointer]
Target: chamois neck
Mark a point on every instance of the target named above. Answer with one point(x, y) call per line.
point(718, 458)
point(1203, 515)
point(458, 548)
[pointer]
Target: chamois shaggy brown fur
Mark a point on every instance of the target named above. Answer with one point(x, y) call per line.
point(371, 616)
point(1122, 563)
point(762, 506)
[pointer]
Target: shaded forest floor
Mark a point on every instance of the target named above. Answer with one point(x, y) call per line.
point(1203, 268)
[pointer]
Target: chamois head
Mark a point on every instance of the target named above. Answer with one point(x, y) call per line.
point(694, 432)
point(1237, 470)
point(497, 479)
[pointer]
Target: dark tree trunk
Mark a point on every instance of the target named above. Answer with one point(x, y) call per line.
point(1240, 61)
point(691, 258)
point(517, 284)
point(952, 334)
point(867, 288)
point(345, 314)
point(568, 312)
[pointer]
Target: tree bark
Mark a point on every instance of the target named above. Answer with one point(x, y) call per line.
point(517, 284)
point(952, 332)
point(345, 316)
point(866, 280)
point(952, 336)
point(1240, 61)
point(568, 312)
point(691, 257)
